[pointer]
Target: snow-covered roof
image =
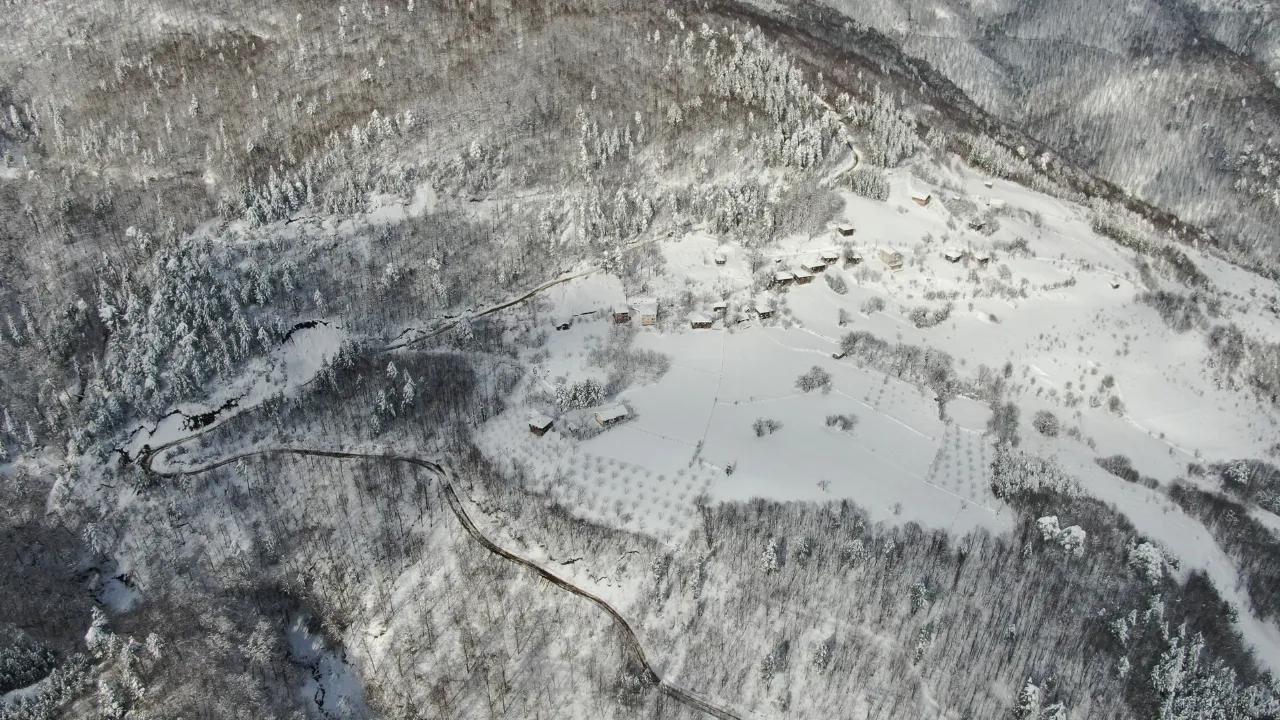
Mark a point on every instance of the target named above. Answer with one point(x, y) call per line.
point(614, 412)
point(982, 255)
point(762, 307)
point(540, 421)
point(890, 250)
point(621, 309)
point(813, 263)
point(855, 254)
point(645, 306)
point(953, 254)
point(831, 255)
point(784, 275)
point(920, 196)
point(802, 273)
point(720, 305)
point(721, 256)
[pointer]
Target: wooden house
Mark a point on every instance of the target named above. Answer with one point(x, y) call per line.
point(921, 199)
point(621, 314)
point(763, 311)
point(700, 322)
point(830, 257)
point(721, 258)
point(803, 276)
point(982, 258)
point(720, 308)
point(891, 257)
point(853, 258)
point(782, 278)
point(845, 230)
point(539, 424)
point(610, 416)
point(953, 256)
point(814, 265)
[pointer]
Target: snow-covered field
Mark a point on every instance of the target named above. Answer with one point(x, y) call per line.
point(1064, 317)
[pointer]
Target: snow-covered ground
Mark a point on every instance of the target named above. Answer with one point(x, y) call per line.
point(1077, 338)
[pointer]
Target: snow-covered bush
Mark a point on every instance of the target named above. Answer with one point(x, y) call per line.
point(1015, 472)
point(765, 426)
point(873, 305)
point(1071, 539)
point(836, 282)
point(1148, 561)
point(585, 394)
point(847, 423)
point(1046, 423)
point(815, 379)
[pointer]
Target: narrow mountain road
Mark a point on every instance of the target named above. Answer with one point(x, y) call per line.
point(441, 475)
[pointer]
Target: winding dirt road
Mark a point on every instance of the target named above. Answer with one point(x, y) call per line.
point(441, 475)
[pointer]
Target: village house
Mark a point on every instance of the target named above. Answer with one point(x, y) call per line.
point(783, 278)
point(647, 310)
point(803, 277)
point(921, 199)
point(953, 256)
point(539, 424)
point(610, 416)
point(830, 257)
point(763, 311)
point(982, 258)
point(700, 322)
point(814, 265)
point(621, 314)
point(853, 258)
point(891, 257)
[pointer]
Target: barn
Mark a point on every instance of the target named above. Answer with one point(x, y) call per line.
point(539, 424)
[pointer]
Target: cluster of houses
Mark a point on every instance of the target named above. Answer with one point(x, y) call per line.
point(981, 257)
point(606, 417)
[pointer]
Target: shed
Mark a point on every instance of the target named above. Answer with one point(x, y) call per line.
point(953, 256)
point(891, 257)
point(721, 258)
point(783, 277)
point(803, 277)
point(539, 424)
point(647, 309)
point(621, 313)
point(921, 199)
point(845, 230)
point(610, 416)
point(814, 265)
point(830, 257)
point(699, 321)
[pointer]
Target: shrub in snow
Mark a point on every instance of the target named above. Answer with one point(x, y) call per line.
point(1046, 423)
point(847, 423)
point(836, 282)
point(1115, 405)
point(923, 317)
point(874, 305)
point(815, 379)
point(765, 426)
point(842, 319)
point(1147, 560)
